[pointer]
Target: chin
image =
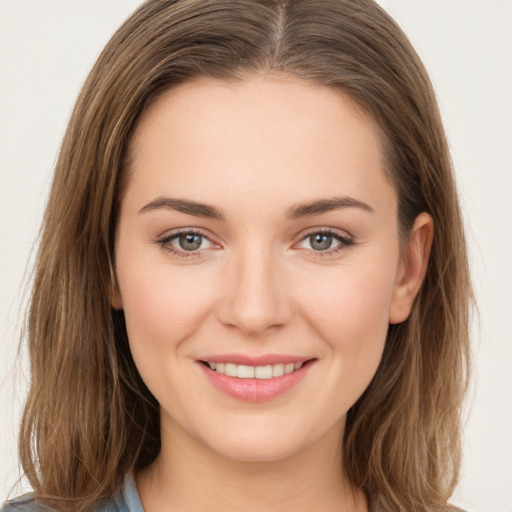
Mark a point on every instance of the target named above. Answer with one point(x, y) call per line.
point(257, 449)
point(267, 439)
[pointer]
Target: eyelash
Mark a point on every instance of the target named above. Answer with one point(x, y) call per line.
point(344, 243)
point(165, 243)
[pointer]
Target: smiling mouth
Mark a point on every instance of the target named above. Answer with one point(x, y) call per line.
point(242, 371)
point(253, 383)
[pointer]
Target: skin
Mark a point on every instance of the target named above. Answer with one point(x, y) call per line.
point(258, 285)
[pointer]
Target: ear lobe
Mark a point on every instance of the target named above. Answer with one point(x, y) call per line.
point(412, 269)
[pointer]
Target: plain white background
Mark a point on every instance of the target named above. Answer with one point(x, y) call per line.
point(46, 50)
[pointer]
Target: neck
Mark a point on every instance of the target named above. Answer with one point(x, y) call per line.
point(188, 476)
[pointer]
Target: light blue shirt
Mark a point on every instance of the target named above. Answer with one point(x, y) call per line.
point(125, 500)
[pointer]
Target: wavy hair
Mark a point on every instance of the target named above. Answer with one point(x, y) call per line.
point(89, 419)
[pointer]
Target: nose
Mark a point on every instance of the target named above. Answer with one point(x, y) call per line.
point(256, 297)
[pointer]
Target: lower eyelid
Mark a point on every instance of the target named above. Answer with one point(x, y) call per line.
point(169, 245)
point(165, 242)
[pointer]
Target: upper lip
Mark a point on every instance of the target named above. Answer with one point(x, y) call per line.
point(263, 360)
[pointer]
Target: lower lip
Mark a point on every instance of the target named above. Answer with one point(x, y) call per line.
point(256, 390)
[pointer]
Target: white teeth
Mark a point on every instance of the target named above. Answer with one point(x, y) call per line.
point(277, 370)
point(263, 372)
point(245, 372)
point(289, 368)
point(250, 372)
point(230, 369)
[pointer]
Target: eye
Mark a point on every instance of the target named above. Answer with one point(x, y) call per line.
point(325, 241)
point(321, 241)
point(185, 244)
point(190, 241)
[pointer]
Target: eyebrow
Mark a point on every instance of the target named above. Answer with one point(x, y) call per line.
point(301, 210)
point(184, 206)
point(297, 211)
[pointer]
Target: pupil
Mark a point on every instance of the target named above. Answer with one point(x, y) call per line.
point(321, 241)
point(190, 242)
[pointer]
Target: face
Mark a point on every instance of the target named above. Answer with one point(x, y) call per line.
point(257, 257)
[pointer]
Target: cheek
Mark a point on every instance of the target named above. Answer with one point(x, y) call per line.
point(350, 313)
point(349, 309)
point(163, 308)
point(163, 305)
point(348, 302)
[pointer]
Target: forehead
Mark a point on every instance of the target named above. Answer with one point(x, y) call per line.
point(254, 136)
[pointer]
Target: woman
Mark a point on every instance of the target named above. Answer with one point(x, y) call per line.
point(252, 287)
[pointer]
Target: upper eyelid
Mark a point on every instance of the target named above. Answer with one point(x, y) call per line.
point(342, 236)
point(168, 235)
point(199, 231)
point(334, 231)
point(345, 239)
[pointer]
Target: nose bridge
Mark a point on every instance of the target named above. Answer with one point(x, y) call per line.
point(256, 298)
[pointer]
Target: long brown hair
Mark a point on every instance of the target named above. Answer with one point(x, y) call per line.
point(89, 419)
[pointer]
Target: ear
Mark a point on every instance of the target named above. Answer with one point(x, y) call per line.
point(412, 269)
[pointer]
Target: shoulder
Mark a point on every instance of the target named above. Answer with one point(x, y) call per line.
point(29, 503)
point(25, 503)
point(375, 505)
point(126, 499)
